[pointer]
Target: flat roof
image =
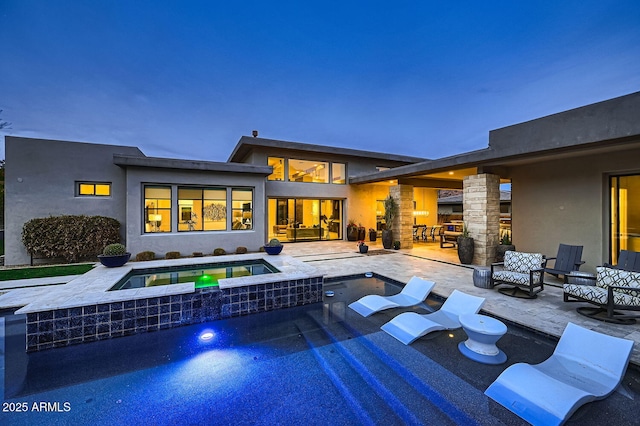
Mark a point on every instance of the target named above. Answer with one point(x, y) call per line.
point(247, 143)
point(600, 127)
point(172, 163)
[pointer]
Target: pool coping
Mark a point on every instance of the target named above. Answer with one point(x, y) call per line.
point(93, 286)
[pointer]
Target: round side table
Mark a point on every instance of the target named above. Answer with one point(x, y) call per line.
point(482, 277)
point(483, 333)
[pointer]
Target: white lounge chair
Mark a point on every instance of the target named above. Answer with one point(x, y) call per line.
point(410, 326)
point(413, 293)
point(585, 366)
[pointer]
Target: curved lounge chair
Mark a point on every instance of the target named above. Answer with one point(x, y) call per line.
point(413, 293)
point(585, 366)
point(410, 326)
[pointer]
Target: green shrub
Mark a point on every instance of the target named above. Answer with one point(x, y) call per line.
point(70, 237)
point(197, 254)
point(241, 250)
point(219, 252)
point(145, 255)
point(274, 242)
point(116, 249)
point(172, 255)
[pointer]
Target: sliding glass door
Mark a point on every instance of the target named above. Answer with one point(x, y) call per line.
point(303, 219)
point(625, 214)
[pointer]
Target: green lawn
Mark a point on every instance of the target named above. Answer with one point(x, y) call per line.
point(44, 271)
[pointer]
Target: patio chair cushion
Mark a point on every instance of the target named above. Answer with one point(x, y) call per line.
point(516, 261)
point(607, 277)
point(513, 277)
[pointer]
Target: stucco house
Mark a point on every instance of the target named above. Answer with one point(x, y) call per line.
point(575, 179)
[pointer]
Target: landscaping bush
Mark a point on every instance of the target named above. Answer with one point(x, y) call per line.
point(145, 255)
point(241, 250)
point(69, 237)
point(219, 252)
point(172, 255)
point(197, 254)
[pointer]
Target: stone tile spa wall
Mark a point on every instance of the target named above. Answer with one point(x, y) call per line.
point(83, 324)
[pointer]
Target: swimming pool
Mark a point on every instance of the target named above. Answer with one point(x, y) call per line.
point(202, 275)
point(319, 364)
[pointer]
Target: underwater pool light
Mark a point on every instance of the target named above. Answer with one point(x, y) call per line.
point(206, 335)
point(204, 279)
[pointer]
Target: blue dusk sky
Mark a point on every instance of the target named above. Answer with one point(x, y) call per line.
point(187, 79)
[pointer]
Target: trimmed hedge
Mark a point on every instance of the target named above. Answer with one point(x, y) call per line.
point(70, 237)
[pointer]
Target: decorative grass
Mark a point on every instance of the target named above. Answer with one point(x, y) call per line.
point(44, 271)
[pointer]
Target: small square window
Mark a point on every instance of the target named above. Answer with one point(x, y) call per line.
point(93, 189)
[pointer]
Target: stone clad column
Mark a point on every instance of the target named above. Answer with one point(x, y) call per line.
point(481, 208)
point(403, 223)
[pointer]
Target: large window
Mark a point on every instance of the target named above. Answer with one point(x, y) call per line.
point(202, 209)
point(308, 171)
point(625, 214)
point(157, 209)
point(297, 219)
point(242, 208)
point(93, 189)
point(338, 173)
point(278, 168)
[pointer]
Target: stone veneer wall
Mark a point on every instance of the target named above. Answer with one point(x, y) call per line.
point(403, 223)
point(63, 327)
point(481, 206)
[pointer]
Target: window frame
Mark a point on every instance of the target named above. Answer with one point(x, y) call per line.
point(94, 184)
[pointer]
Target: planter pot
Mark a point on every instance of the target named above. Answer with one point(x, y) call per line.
point(352, 233)
point(465, 250)
point(273, 250)
point(373, 236)
point(362, 234)
point(364, 248)
point(114, 261)
point(501, 249)
point(387, 239)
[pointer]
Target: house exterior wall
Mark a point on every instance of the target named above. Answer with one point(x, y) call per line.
point(359, 201)
point(40, 178)
point(567, 201)
point(189, 242)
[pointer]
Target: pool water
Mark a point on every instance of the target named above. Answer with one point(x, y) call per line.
point(203, 275)
point(319, 364)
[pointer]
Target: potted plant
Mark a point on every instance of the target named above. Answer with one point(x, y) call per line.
point(505, 245)
point(273, 247)
point(362, 232)
point(465, 247)
point(396, 245)
point(352, 231)
point(373, 235)
point(114, 255)
point(362, 247)
point(390, 212)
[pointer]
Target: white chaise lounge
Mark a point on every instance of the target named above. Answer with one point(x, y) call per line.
point(410, 326)
point(585, 366)
point(413, 293)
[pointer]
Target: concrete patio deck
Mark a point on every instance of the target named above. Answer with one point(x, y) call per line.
point(547, 313)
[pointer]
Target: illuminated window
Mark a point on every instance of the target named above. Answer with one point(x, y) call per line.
point(157, 209)
point(202, 209)
point(308, 171)
point(278, 168)
point(93, 189)
point(338, 173)
point(242, 208)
